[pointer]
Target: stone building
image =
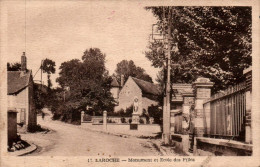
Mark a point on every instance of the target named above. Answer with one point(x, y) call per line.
point(146, 92)
point(20, 94)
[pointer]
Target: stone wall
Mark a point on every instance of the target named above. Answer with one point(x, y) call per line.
point(180, 143)
point(220, 147)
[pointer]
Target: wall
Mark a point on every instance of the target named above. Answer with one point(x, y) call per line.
point(143, 130)
point(180, 143)
point(220, 147)
point(127, 94)
point(20, 102)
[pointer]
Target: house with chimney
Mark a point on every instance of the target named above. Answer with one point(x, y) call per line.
point(20, 94)
point(146, 92)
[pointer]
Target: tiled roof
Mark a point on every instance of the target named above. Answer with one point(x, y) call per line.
point(114, 83)
point(147, 87)
point(17, 80)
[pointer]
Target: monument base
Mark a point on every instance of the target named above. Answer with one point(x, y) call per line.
point(135, 119)
point(133, 126)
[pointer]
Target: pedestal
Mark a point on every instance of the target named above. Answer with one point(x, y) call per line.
point(135, 118)
point(135, 122)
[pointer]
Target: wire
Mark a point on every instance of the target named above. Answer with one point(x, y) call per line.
point(36, 72)
point(25, 25)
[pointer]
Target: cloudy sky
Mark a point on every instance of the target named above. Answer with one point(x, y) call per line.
point(63, 30)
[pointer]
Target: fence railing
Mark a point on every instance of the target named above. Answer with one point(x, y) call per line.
point(227, 113)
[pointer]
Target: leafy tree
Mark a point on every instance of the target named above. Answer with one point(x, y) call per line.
point(48, 66)
point(213, 42)
point(14, 67)
point(88, 82)
point(128, 68)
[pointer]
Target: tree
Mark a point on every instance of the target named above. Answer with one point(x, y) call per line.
point(88, 81)
point(128, 68)
point(213, 42)
point(14, 67)
point(48, 66)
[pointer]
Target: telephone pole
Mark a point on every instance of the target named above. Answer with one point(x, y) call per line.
point(167, 102)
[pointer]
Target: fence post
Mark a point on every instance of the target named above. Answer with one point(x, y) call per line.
point(82, 116)
point(248, 74)
point(202, 88)
point(105, 120)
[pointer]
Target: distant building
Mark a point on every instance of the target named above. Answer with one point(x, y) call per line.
point(115, 89)
point(20, 94)
point(146, 92)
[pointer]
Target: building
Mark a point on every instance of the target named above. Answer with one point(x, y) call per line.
point(20, 95)
point(115, 89)
point(146, 92)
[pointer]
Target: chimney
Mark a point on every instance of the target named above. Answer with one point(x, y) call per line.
point(23, 62)
point(122, 81)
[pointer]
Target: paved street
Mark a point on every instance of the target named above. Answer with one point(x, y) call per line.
point(71, 140)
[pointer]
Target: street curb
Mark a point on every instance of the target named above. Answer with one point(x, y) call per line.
point(23, 152)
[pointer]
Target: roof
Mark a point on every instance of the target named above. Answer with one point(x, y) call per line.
point(17, 80)
point(147, 87)
point(114, 83)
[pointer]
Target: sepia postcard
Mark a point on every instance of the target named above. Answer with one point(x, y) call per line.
point(129, 83)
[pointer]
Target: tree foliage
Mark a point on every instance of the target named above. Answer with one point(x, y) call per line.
point(213, 42)
point(13, 66)
point(88, 82)
point(128, 68)
point(48, 66)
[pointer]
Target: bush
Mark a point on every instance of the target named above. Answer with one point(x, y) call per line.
point(123, 113)
point(156, 113)
point(130, 120)
point(141, 121)
point(123, 120)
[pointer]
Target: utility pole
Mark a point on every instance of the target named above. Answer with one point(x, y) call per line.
point(167, 102)
point(41, 75)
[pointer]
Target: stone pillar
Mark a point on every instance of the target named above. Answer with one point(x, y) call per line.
point(105, 120)
point(248, 127)
point(82, 116)
point(202, 88)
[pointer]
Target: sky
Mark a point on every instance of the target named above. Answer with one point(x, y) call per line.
point(63, 30)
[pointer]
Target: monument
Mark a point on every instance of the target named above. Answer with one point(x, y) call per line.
point(136, 114)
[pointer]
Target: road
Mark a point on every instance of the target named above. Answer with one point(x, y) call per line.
point(71, 140)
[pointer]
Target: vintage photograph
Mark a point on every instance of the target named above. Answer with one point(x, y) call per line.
point(128, 79)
